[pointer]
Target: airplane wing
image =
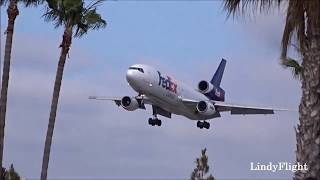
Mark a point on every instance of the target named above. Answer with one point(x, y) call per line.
point(117, 100)
point(242, 109)
point(236, 109)
point(141, 99)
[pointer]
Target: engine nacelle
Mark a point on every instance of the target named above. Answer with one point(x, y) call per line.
point(206, 108)
point(205, 87)
point(129, 104)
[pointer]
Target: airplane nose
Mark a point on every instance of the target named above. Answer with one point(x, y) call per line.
point(130, 76)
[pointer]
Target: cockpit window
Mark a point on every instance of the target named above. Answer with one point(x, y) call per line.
point(136, 68)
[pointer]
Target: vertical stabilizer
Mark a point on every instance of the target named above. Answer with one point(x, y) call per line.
point(216, 79)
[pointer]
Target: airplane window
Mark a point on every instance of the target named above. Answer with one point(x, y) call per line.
point(136, 68)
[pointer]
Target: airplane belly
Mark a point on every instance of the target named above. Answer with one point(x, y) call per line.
point(177, 108)
point(168, 106)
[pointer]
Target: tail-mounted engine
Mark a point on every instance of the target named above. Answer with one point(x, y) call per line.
point(212, 92)
point(129, 104)
point(205, 87)
point(206, 108)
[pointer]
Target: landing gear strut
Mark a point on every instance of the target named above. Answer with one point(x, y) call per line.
point(154, 121)
point(203, 124)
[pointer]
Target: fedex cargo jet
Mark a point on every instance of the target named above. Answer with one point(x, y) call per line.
point(168, 96)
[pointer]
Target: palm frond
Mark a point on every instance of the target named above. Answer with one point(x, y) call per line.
point(93, 5)
point(28, 3)
point(52, 16)
point(74, 14)
point(90, 20)
point(295, 25)
point(52, 4)
point(293, 65)
point(295, 29)
point(242, 7)
point(72, 11)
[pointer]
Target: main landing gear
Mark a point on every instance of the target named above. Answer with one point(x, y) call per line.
point(203, 124)
point(154, 121)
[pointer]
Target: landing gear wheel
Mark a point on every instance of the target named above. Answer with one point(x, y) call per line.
point(206, 125)
point(150, 121)
point(200, 124)
point(154, 121)
point(203, 124)
point(158, 122)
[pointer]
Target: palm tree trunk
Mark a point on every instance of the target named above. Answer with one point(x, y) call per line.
point(308, 131)
point(13, 12)
point(66, 42)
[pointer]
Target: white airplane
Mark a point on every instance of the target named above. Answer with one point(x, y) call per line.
point(168, 96)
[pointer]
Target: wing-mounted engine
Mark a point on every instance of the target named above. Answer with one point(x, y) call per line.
point(206, 108)
point(205, 87)
point(129, 103)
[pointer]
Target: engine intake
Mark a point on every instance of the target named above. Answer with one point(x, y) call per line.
point(206, 108)
point(129, 104)
point(205, 87)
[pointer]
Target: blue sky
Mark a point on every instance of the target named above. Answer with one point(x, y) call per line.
point(187, 39)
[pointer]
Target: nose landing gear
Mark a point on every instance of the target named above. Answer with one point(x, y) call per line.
point(203, 124)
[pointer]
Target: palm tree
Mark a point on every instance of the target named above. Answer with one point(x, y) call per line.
point(302, 29)
point(76, 19)
point(12, 12)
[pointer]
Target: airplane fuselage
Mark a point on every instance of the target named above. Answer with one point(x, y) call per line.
point(164, 91)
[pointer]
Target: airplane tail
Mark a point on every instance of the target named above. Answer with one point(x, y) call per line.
point(216, 79)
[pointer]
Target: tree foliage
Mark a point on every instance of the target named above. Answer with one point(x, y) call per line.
point(26, 3)
point(77, 19)
point(12, 12)
point(295, 29)
point(75, 14)
point(302, 32)
point(11, 174)
point(202, 168)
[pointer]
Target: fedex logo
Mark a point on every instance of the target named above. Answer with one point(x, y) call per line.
point(167, 83)
point(216, 94)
